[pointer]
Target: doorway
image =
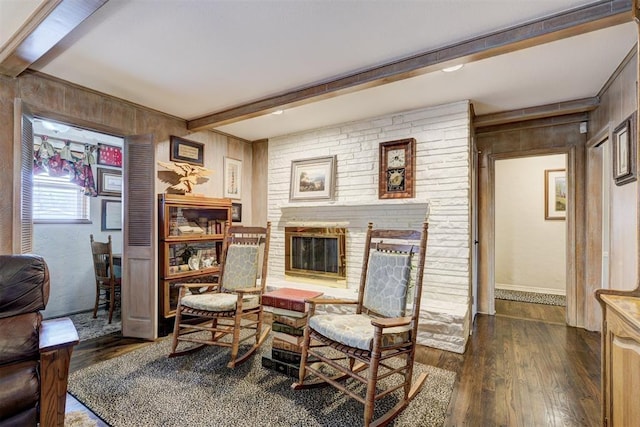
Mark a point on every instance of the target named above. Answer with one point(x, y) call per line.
point(531, 204)
point(66, 214)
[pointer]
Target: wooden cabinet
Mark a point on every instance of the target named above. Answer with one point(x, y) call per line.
point(190, 234)
point(620, 359)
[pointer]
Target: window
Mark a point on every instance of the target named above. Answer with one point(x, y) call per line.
point(55, 199)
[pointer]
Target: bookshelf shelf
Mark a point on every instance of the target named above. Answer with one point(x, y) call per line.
point(190, 235)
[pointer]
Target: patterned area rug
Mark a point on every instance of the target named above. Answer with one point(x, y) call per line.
point(145, 387)
point(89, 328)
point(532, 297)
point(78, 419)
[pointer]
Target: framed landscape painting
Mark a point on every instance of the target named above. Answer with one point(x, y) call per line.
point(313, 179)
point(555, 194)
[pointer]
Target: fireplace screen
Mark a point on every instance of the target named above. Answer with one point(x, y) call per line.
point(315, 252)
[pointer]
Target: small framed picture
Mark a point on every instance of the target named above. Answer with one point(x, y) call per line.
point(624, 151)
point(313, 179)
point(555, 194)
point(236, 212)
point(183, 150)
point(397, 166)
point(109, 155)
point(111, 215)
point(232, 178)
point(109, 182)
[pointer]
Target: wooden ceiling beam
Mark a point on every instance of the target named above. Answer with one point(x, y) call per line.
point(47, 25)
point(567, 24)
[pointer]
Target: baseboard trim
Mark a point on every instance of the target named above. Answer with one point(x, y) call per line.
point(536, 290)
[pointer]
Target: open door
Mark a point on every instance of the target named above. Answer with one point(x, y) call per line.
point(139, 272)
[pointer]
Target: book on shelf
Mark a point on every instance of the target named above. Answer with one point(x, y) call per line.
point(289, 298)
point(283, 312)
point(285, 345)
point(290, 357)
point(191, 228)
point(295, 322)
point(288, 338)
point(287, 329)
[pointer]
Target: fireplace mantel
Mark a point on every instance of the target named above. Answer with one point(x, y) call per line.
point(382, 204)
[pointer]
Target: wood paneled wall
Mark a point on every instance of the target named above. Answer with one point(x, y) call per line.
point(618, 100)
point(260, 179)
point(59, 100)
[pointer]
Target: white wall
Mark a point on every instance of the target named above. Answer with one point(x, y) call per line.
point(530, 251)
point(442, 180)
point(67, 251)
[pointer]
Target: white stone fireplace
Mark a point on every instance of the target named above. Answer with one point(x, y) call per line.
point(442, 189)
point(350, 217)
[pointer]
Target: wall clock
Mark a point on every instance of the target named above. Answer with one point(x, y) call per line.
point(397, 169)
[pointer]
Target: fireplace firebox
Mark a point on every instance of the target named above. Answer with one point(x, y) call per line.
point(316, 253)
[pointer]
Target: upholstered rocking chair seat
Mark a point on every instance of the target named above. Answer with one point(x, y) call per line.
point(356, 330)
point(215, 301)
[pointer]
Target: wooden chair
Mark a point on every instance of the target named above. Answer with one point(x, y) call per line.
point(107, 276)
point(231, 306)
point(361, 345)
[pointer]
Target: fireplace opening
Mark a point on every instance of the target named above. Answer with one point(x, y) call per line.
point(316, 253)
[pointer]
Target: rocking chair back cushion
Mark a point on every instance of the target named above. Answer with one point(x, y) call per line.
point(241, 267)
point(387, 283)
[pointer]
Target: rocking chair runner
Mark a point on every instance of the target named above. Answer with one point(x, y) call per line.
point(378, 331)
point(233, 304)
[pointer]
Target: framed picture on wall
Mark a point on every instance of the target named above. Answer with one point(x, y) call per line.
point(232, 178)
point(109, 182)
point(397, 166)
point(236, 212)
point(555, 194)
point(109, 155)
point(111, 215)
point(183, 150)
point(624, 151)
point(313, 179)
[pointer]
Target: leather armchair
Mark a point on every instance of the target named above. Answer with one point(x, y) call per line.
point(34, 354)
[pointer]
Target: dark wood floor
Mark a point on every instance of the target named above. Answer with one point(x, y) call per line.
point(522, 367)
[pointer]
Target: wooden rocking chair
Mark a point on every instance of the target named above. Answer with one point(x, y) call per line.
point(360, 345)
point(233, 304)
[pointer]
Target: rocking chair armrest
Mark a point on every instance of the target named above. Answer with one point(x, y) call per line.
point(335, 301)
point(241, 291)
point(391, 322)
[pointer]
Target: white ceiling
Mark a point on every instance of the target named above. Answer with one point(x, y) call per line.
point(190, 58)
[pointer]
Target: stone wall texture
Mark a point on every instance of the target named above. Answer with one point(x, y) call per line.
point(442, 191)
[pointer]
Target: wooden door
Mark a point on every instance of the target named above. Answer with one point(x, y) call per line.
point(23, 179)
point(139, 272)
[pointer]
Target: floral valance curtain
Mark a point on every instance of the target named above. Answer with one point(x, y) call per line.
point(62, 162)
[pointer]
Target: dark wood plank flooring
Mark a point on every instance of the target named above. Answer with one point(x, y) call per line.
point(522, 367)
